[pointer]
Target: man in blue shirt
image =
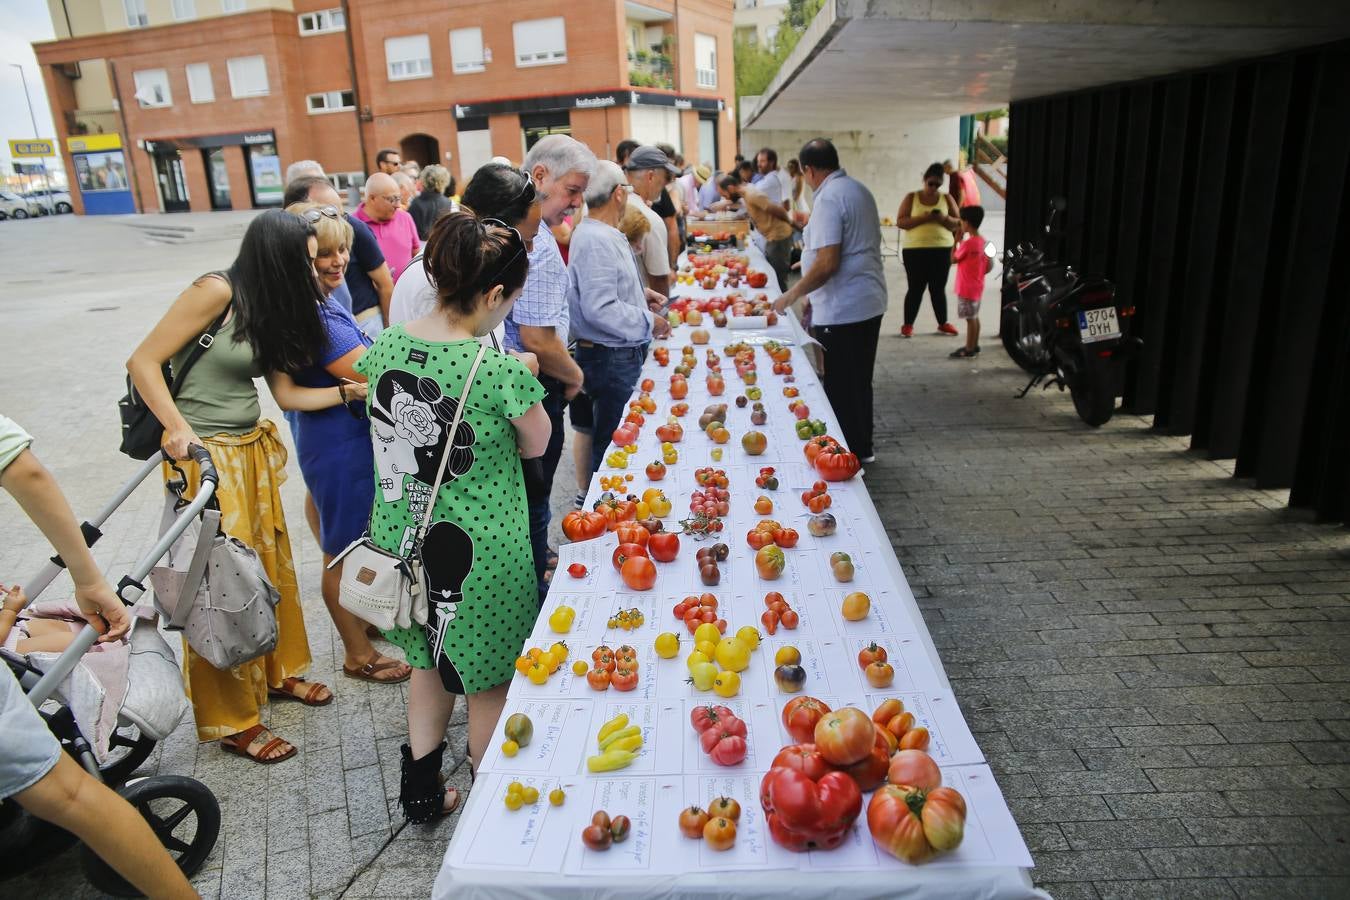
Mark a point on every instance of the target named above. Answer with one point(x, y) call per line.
point(843, 276)
point(560, 167)
point(608, 305)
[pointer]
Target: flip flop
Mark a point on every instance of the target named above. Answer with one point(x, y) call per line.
point(287, 692)
point(238, 744)
point(370, 670)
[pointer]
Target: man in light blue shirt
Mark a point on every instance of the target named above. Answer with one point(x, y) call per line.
point(608, 306)
point(843, 276)
point(560, 167)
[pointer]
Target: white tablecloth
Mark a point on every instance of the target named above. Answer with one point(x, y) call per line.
point(548, 860)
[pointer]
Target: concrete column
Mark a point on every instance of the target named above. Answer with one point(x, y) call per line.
point(194, 176)
point(506, 137)
point(236, 166)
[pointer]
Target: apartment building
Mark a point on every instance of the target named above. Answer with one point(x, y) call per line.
point(170, 105)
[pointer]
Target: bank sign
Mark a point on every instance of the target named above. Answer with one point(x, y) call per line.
point(32, 149)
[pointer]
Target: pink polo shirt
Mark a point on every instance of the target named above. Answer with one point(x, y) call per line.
point(397, 238)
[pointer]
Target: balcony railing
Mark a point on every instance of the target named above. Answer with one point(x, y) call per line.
point(650, 70)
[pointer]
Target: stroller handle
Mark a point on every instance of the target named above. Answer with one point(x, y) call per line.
point(132, 586)
point(202, 457)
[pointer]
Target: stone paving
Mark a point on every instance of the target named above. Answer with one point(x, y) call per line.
point(1152, 655)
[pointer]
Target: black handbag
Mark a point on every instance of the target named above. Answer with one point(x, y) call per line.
point(142, 433)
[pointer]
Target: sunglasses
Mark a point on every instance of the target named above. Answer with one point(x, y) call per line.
point(527, 193)
point(513, 235)
point(312, 216)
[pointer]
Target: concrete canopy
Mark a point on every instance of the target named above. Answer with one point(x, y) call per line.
point(862, 61)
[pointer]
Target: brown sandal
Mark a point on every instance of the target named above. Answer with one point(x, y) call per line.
point(239, 745)
point(372, 669)
point(287, 692)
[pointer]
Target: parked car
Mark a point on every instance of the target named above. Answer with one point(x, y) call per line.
point(51, 199)
point(12, 206)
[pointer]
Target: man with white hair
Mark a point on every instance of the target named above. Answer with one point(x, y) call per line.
point(407, 188)
point(648, 171)
point(560, 167)
point(607, 304)
point(303, 167)
point(396, 231)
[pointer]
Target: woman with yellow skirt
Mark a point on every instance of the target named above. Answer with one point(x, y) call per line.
point(264, 314)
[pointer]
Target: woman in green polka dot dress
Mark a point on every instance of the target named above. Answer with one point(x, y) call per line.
point(479, 565)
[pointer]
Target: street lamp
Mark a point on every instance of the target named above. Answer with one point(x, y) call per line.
point(46, 183)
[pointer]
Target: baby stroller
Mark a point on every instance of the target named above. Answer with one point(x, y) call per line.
point(115, 733)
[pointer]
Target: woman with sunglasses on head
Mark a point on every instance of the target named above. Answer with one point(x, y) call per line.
point(264, 311)
point(929, 220)
point(479, 567)
point(333, 444)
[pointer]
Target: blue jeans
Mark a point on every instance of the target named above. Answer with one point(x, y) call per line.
point(540, 507)
point(611, 374)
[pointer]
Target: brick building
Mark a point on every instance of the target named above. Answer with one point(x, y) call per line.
point(200, 104)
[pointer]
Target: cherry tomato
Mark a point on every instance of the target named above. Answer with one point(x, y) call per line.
point(576, 570)
point(725, 808)
point(720, 834)
point(692, 820)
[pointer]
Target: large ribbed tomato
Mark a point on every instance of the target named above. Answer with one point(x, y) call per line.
point(583, 526)
point(912, 824)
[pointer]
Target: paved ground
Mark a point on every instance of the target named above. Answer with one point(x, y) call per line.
point(1153, 656)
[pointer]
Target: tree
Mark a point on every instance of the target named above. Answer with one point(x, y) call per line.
point(756, 64)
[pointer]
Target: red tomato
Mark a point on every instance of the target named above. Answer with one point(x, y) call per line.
point(723, 747)
point(844, 736)
point(704, 717)
point(625, 552)
point(790, 619)
point(639, 573)
point(632, 533)
point(769, 562)
point(805, 813)
point(576, 570)
point(664, 546)
point(582, 526)
point(866, 656)
point(805, 758)
point(912, 825)
point(624, 679)
point(836, 464)
point(692, 821)
point(770, 620)
point(914, 768)
point(786, 538)
point(800, 716)
point(870, 771)
point(757, 539)
point(656, 470)
point(598, 679)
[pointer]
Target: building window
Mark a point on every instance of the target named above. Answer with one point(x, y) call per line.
point(331, 101)
point(136, 15)
point(322, 21)
point(466, 50)
point(408, 57)
point(184, 9)
point(200, 88)
point(152, 88)
point(540, 42)
point(344, 181)
point(248, 76)
point(705, 60)
point(233, 6)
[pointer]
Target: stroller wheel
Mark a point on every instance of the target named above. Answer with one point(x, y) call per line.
point(129, 748)
point(185, 817)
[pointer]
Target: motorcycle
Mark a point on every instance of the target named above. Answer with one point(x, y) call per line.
point(1068, 330)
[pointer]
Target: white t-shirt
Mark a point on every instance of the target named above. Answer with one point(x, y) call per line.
point(654, 257)
point(415, 298)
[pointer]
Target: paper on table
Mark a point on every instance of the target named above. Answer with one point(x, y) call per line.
point(536, 837)
point(660, 723)
point(634, 797)
point(559, 735)
point(886, 614)
point(951, 743)
point(820, 658)
point(905, 652)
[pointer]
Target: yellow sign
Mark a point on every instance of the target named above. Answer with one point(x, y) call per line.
point(32, 148)
point(86, 143)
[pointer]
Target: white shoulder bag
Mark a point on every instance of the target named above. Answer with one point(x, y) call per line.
point(381, 587)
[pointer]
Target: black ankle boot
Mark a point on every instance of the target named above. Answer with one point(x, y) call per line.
point(421, 792)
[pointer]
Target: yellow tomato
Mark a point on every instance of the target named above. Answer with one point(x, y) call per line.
point(733, 654)
point(559, 649)
point(707, 648)
point(537, 674)
point(667, 645)
point(696, 658)
point(557, 796)
point(560, 620)
point(580, 667)
point(748, 635)
point(523, 664)
point(708, 631)
point(649, 493)
point(727, 684)
point(644, 511)
point(510, 748)
point(787, 656)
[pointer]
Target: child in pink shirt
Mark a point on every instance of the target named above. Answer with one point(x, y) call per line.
point(972, 264)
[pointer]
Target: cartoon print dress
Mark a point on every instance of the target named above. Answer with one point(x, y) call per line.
point(479, 565)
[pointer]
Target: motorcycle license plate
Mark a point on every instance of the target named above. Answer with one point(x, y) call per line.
point(1098, 324)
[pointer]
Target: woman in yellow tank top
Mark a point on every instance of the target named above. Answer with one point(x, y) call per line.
point(929, 219)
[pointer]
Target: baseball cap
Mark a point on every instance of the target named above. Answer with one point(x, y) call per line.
point(702, 174)
point(649, 157)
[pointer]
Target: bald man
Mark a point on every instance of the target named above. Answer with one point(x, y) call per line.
point(393, 228)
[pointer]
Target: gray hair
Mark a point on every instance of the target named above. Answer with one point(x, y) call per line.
point(302, 167)
point(561, 155)
point(607, 177)
point(403, 180)
point(435, 178)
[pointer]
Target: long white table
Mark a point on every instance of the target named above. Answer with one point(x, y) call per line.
point(536, 851)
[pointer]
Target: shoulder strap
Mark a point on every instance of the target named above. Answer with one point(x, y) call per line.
point(200, 346)
point(206, 537)
point(449, 444)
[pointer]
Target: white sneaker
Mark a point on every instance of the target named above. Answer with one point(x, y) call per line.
point(868, 460)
